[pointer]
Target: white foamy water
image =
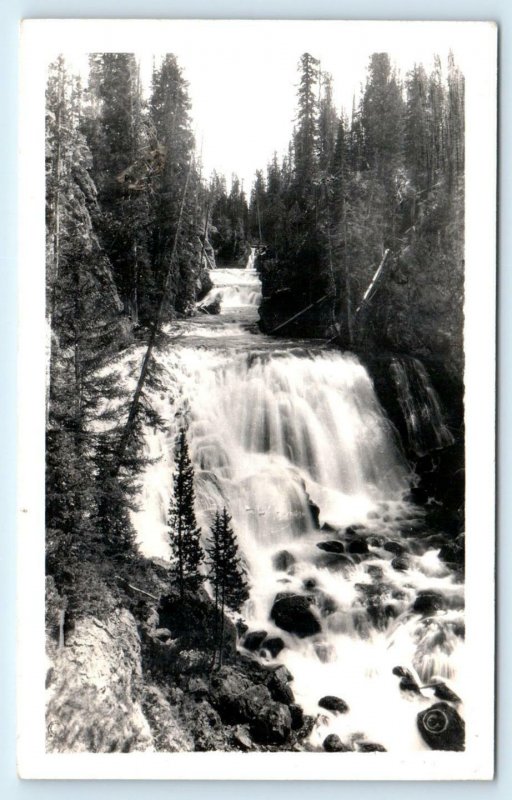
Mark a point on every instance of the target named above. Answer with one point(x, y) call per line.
point(274, 428)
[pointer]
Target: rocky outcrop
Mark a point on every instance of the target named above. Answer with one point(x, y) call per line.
point(95, 689)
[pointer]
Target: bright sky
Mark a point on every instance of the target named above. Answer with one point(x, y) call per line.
point(242, 74)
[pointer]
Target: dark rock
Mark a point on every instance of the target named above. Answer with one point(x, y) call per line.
point(283, 561)
point(254, 640)
point(354, 530)
point(375, 572)
point(443, 692)
point(453, 552)
point(314, 510)
point(376, 541)
point(428, 602)
point(297, 716)
point(401, 564)
point(333, 744)
point(273, 725)
point(331, 546)
point(227, 687)
point(371, 747)
point(328, 528)
point(357, 546)
point(442, 727)
point(310, 584)
point(278, 687)
point(394, 547)
point(274, 645)
point(398, 594)
point(335, 562)
point(333, 703)
point(210, 308)
point(253, 702)
point(292, 613)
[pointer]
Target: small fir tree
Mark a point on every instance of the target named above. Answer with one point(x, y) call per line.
point(184, 532)
point(226, 572)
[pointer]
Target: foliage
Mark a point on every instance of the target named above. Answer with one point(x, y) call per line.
point(184, 533)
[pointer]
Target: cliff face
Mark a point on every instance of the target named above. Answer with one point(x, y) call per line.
point(95, 689)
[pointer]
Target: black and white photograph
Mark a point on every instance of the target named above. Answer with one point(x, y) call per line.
point(258, 488)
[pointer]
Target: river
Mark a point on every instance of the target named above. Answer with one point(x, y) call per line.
point(290, 436)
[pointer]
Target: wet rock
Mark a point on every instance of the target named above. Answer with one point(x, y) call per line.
point(333, 744)
point(394, 547)
point(328, 528)
point(376, 541)
point(325, 652)
point(297, 716)
point(371, 747)
point(407, 683)
point(453, 552)
point(254, 640)
point(273, 725)
point(314, 511)
point(292, 613)
point(333, 703)
point(357, 546)
point(335, 562)
point(310, 584)
point(283, 561)
point(375, 572)
point(442, 727)
point(210, 308)
point(443, 692)
point(399, 594)
point(274, 645)
point(331, 546)
point(428, 602)
point(401, 564)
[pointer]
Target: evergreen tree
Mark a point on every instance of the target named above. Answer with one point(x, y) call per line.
point(226, 572)
point(184, 533)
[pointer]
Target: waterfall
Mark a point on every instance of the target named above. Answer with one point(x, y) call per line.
point(235, 288)
point(426, 427)
point(291, 438)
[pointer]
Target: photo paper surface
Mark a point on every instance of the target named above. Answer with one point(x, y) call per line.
point(256, 487)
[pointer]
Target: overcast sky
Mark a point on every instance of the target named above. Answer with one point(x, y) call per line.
point(242, 75)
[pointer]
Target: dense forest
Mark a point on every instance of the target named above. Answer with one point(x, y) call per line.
point(359, 232)
point(385, 186)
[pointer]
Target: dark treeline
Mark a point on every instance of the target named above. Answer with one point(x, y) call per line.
point(383, 187)
point(129, 219)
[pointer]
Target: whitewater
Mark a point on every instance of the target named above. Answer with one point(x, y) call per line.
point(289, 435)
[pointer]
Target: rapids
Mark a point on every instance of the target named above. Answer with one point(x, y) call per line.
point(290, 436)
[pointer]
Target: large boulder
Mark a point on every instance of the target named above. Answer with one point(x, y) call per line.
point(359, 546)
point(292, 613)
point(254, 640)
point(274, 645)
point(332, 703)
point(273, 724)
point(442, 727)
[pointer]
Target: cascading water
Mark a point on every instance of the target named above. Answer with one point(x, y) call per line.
point(290, 437)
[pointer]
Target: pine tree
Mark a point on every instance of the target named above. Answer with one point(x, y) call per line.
point(227, 574)
point(184, 533)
